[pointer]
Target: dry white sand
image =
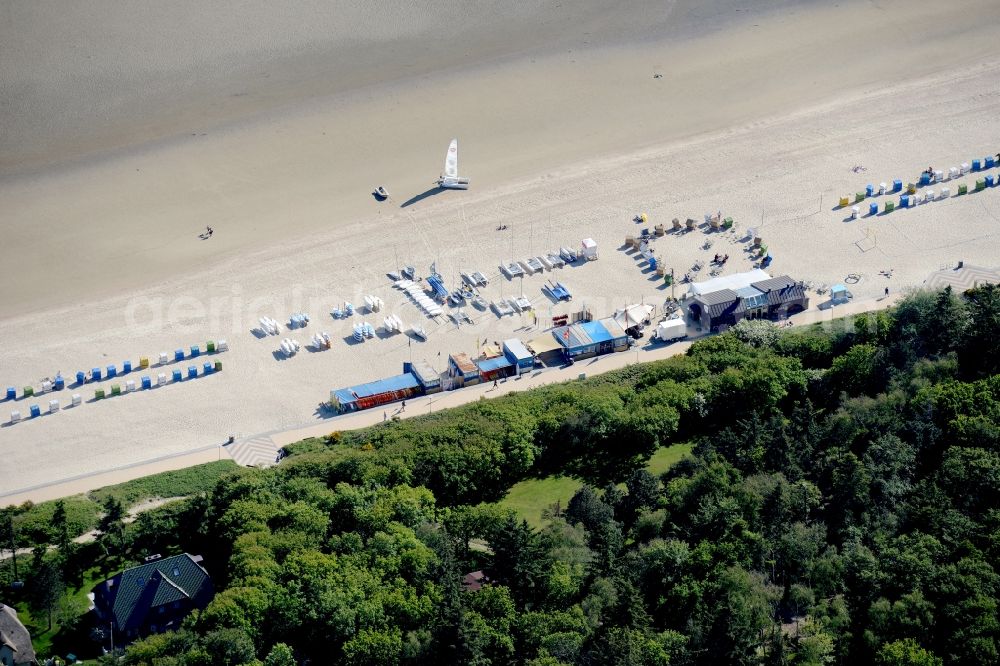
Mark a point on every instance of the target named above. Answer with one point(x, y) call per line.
point(761, 119)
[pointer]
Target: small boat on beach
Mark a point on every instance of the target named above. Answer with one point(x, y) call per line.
point(464, 316)
point(535, 265)
point(418, 332)
point(555, 260)
point(521, 303)
point(568, 255)
point(479, 302)
point(501, 308)
point(380, 193)
point(558, 291)
point(480, 279)
point(512, 270)
point(394, 276)
point(408, 272)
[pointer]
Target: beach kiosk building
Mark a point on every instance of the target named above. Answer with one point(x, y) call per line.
point(492, 369)
point(588, 249)
point(546, 348)
point(461, 370)
point(374, 394)
point(429, 378)
point(515, 351)
point(590, 338)
point(737, 298)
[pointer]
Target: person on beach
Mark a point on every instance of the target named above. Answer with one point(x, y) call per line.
point(887, 292)
point(403, 407)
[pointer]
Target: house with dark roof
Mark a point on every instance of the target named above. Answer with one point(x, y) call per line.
point(154, 596)
point(15, 641)
point(771, 298)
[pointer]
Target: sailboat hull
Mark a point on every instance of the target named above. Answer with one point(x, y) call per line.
point(454, 183)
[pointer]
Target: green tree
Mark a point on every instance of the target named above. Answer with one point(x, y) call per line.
point(906, 652)
point(280, 655)
point(112, 525)
point(373, 648)
point(47, 588)
point(520, 560)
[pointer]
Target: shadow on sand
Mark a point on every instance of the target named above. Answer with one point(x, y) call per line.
point(423, 195)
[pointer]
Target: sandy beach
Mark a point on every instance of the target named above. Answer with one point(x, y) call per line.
point(759, 114)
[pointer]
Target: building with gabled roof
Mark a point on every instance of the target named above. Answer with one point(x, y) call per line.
point(738, 298)
point(15, 641)
point(154, 596)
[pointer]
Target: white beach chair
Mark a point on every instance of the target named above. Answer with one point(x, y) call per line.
point(945, 193)
point(53, 406)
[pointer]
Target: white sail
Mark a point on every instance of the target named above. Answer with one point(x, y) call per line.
point(451, 160)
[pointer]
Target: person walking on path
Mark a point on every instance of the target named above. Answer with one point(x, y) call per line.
point(403, 408)
point(887, 292)
point(385, 415)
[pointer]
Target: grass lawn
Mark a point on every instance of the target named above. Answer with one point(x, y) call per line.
point(666, 457)
point(531, 497)
point(57, 641)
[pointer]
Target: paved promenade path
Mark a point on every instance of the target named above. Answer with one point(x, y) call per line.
point(261, 449)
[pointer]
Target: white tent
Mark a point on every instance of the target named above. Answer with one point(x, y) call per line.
point(632, 315)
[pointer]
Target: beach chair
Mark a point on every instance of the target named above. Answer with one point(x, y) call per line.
point(715, 223)
point(845, 201)
point(677, 224)
point(859, 197)
point(945, 193)
point(660, 230)
point(690, 224)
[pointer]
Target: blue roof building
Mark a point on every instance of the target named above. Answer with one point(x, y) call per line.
point(590, 338)
point(498, 367)
point(373, 394)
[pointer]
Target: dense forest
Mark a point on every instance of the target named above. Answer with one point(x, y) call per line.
point(841, 505)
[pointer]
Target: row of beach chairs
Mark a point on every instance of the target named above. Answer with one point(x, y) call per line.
point(145, 383)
